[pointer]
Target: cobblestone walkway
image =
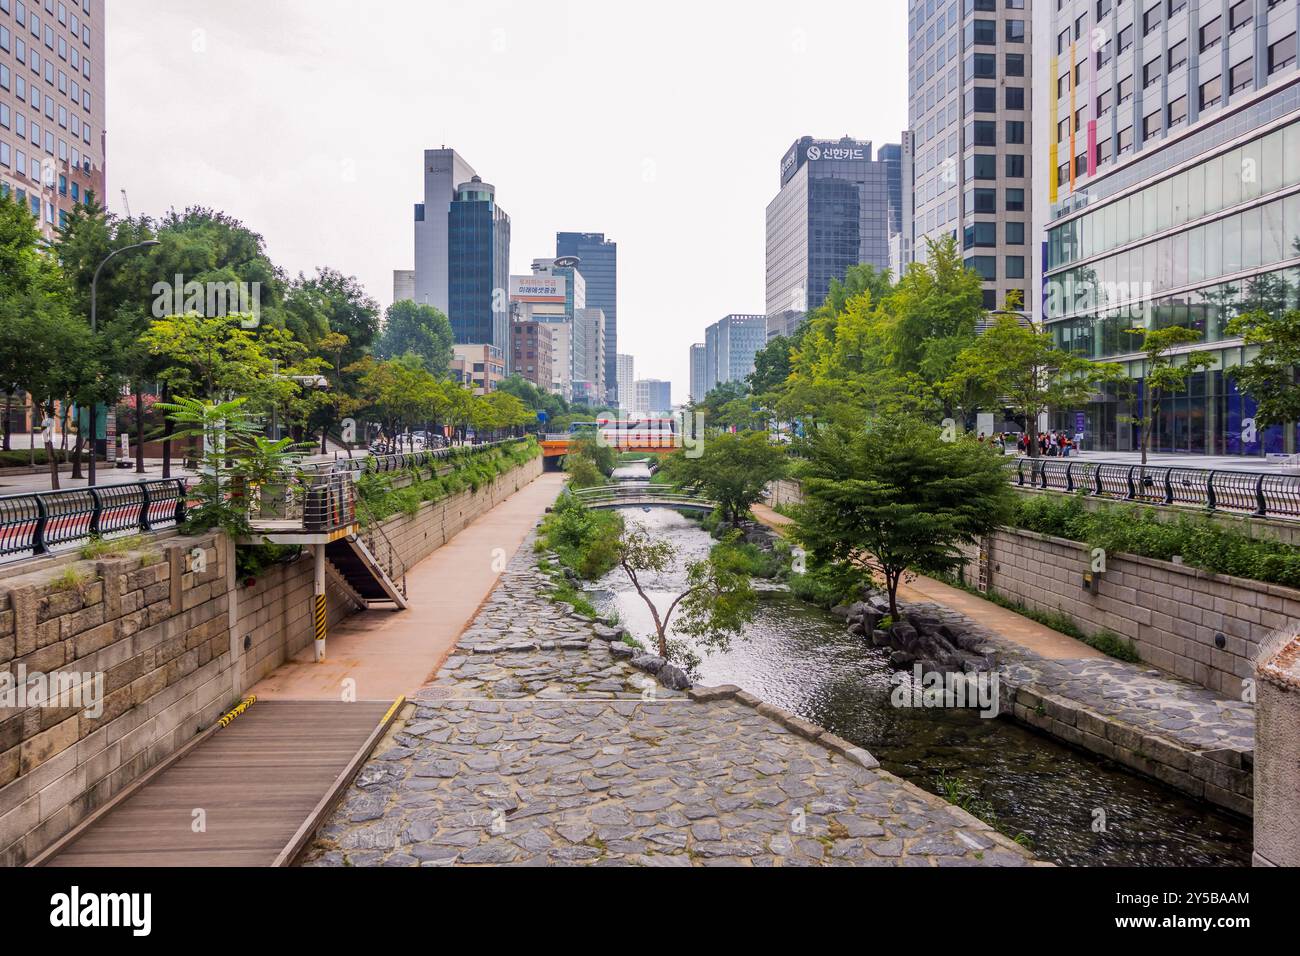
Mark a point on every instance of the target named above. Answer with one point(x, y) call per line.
point(539, 744)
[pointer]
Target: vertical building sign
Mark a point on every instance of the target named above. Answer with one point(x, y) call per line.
point(1053, 150)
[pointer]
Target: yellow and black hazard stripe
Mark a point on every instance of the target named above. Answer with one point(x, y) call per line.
point(320, 617)
point(229, 718)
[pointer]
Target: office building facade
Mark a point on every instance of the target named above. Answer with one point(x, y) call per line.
point(479, 366)
point(599, 267)
point(478, 260)
point(653, 397)
point(589, 364)
point(1174, 200)
point(626, 382)
point(970, 68)
point(532, 352)
point(429, 282)
point(832, 212)
point(729, 349)
point(52, 139)
point(699, 373)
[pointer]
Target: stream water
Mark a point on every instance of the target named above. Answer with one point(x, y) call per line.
point(800, 658)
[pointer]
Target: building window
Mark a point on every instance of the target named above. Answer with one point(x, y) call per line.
point(1015, 166)
point(1151, 20)
point(1015, 131)
point(1151, 72)
point(1240, 14)
point(1015, 64)
point(1242, 75)
point(1177, 55)
point(1015, 200)
point(1177, 111)
point(1281, 54)
point(1211, 92)
point(1151, 126)
point(986, 200)
point(1015, 267)
point(1211, 33)
point(1125, 38)
point(1015, 31)
point(1015, 235)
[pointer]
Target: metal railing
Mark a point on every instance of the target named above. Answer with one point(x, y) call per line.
point(1258, 494)
point(44, 522)
point(613, 494)
point(384, 464)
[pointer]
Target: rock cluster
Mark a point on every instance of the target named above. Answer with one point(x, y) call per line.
point(936, 641)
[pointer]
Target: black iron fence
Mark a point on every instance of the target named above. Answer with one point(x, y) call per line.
point(39, 523)
point(383, 464)
point(1260, 495)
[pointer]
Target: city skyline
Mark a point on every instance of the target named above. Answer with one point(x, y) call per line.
point(355, 161)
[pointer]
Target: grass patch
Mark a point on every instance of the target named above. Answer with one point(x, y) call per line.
point(115, 547)
point(585, 540)
point(70, 579)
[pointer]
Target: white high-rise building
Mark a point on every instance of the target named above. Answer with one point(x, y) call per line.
point(444, 171)
point(626, 382)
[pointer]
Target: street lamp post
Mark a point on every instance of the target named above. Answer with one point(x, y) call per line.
point(94, 289)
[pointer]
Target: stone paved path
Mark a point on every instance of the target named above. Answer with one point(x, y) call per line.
point(539, 744)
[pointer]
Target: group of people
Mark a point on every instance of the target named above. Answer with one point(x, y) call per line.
point(1050, 444)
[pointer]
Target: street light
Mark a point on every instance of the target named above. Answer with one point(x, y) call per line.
point(94, 288)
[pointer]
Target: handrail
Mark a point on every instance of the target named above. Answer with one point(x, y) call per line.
point(44, 522)
point(1258, 494)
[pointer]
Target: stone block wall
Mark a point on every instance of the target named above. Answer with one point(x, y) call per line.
point(152, 635)
point(415, 538)
point(1175, 615)
point(1277, 760)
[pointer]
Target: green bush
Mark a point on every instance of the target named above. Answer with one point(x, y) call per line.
point(586, 540)
point(1134, 529)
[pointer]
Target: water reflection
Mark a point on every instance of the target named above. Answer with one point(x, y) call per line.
point(799, 658)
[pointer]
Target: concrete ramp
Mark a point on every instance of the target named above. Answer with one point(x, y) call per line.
point(248, 792)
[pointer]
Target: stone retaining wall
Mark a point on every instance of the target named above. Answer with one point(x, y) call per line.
point(155, 631)
point(1175, 615)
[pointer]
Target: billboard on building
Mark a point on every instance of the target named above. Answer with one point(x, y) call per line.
point(539, 288)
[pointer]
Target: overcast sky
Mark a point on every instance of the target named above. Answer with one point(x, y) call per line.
point(660, 124)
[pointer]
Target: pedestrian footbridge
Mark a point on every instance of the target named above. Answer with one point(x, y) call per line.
point(610, 497)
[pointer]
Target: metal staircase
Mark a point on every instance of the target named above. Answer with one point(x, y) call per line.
point(371, 567)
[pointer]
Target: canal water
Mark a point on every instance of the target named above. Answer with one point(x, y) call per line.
point(1070, 807)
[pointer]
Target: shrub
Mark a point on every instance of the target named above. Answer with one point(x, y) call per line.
point(1133, 529)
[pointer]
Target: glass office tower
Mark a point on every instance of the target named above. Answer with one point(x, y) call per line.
point(478, 240)
point(832, 212)
point(1175, 201)
point(600, 269)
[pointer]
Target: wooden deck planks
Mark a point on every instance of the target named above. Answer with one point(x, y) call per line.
point(258, 781)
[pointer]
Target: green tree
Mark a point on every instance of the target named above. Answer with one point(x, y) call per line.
point(1165, 372)
point(1270, 377)
point(715, 606)
point(1018, 365)
point(418, 330)
point(733, 469)
point(894, 497)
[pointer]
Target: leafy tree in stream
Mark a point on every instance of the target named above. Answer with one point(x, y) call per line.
point(895, 497)
point(733, 470)
point(715, 606)
point(417, 330)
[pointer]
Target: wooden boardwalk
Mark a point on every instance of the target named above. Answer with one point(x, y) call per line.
point(262, 785)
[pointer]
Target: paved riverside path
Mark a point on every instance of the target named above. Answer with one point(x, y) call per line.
point(1177, 731)
point(390, 653)
point(539, 744)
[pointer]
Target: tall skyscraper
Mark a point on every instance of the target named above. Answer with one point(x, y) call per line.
point(699, 373)
point(600, 269)
point(626, 382)
point(832, 212)
point(478, 243)
point(729, 349)
point(1171, 197)
point(444, 172)
point(969, 70)
point(52, 139)
point(589, 367)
